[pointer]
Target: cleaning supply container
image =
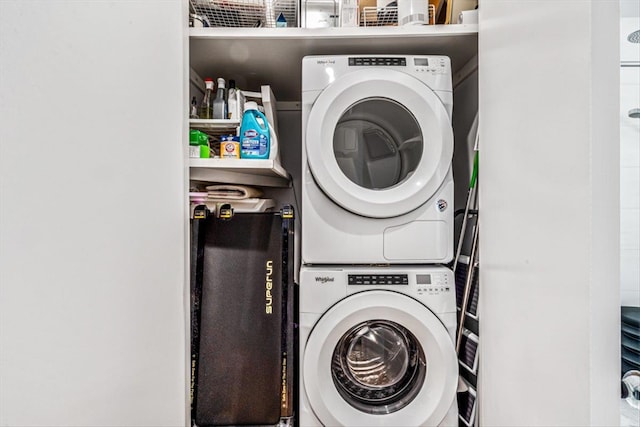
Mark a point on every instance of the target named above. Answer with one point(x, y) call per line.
point(230, 147)
point(254, 133)
point(199, 145)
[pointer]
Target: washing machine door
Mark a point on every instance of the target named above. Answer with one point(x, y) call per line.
point(380, 358)
point(379, 142)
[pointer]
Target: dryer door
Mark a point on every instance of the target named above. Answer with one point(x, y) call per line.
point(380, 358)
point(379, 142)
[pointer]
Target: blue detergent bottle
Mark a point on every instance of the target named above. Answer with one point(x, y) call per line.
point(254, 133)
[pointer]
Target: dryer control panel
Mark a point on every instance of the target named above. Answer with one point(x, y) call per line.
point(420, 64)
point(425, 284)
point(321, 71)
point(375, 60)
point(433, 65)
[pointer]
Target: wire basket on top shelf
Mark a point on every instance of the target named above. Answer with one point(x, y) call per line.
point(386, 16)
point(244, 13)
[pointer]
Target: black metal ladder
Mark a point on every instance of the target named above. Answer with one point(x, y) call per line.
point(466, 269)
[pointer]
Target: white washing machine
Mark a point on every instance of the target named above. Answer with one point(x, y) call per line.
point(377, 185)
point(377, 346)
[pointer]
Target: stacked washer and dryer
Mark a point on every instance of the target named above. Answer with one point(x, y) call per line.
point(377, 305)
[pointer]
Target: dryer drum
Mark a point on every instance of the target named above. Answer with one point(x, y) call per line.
point(378, 367)
point(377, 143)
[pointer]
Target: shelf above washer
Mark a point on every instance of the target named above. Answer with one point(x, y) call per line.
point(315, 34)
point(257, 56)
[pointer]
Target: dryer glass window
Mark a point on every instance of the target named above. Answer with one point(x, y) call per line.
point(378, 367)
point(377, 143)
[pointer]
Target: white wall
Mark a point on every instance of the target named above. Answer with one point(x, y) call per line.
point(629, 165)
point(92, 216)
point(549, 246)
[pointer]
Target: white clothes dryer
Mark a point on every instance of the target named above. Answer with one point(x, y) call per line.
point(377, 185)
point(377, 346)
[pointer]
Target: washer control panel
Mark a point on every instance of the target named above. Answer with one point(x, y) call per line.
point(378, 279)
point(432, 284)
point(425, 284)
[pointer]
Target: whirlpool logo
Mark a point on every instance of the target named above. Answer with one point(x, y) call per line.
point(268, 287)
point(324, 279)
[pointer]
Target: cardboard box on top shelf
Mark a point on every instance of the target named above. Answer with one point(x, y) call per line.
point(440, 6)
point(436, 5)
point(455, 7)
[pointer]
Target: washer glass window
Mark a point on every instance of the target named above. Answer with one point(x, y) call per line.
point(378, 367)
point(377, 143)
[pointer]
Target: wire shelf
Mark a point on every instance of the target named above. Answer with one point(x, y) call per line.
point(244, 13)
point(386, 16)
point(379, 16)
